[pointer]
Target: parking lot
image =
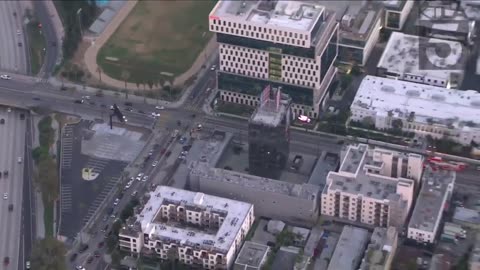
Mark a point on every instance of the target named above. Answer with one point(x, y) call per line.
point(103, 154)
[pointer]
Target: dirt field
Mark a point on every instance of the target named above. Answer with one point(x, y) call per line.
point(157, 36)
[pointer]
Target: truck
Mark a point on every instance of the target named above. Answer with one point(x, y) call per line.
point(449, 238)
point(454, 229)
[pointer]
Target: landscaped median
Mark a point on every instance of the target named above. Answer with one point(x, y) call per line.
point(37, 45)
point(46, 171)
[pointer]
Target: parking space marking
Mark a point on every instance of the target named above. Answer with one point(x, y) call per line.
point(67, 147)
point(66, 198)
point(100, 198)
point(97, 164)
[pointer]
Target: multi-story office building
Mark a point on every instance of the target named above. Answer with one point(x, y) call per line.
point(437, 188)
point(422, 109)
point(360, 25)
point(396, 13)
point(381, 249)
point(269, 135)
point(372, 186)
point(423, 60)
point(195, 228)
point(293, 203)
point(287, 44)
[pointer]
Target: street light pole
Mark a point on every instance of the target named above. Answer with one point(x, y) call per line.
point(80, 21)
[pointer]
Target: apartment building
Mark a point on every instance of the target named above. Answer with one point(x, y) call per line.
point(372, 186)
point(396, 13)
point(423, 60)
point(437, 188)
point(287, 44)
point(380, 250)
point(422, 109)
point(197, 229)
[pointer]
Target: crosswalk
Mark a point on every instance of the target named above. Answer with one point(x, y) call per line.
point(66, 198)
point(113, 181)
point(67, 147)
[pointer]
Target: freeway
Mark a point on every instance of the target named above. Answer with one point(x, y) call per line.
point(12, 139)
point(52, 51)
point(12, 43)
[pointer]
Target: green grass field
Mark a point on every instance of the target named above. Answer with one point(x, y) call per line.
point(156, 37)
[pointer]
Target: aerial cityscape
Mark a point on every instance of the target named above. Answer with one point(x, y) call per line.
point(240, 135)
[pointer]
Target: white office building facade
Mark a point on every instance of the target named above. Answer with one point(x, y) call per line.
point(291, 44)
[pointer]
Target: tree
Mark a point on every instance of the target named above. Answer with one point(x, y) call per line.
point(111, 242)
point(48, 178)
point(345, 81)
point(48, 254)
point(125, 77)
point(368, 122)
point(397, 124)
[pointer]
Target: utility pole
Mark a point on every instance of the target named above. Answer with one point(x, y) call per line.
point(80, 21)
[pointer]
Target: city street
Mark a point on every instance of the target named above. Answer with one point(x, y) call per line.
point(12, 138)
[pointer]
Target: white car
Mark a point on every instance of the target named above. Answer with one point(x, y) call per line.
point(117, 200)
point(19, 159)
point(213, 68)
point(18, 32)
point(159, 107)
point(5, 77)
point(5, 196)
point(27, 264)
point(145, 178)
point(154, 114)
point(154, 164)
point(9, 110)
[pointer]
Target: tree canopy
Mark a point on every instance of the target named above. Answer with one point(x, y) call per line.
point(48, 254)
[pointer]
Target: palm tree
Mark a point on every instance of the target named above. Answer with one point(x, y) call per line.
point(125, 77)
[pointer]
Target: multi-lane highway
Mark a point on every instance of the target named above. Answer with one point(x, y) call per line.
point(12, 41)
point(12, 141)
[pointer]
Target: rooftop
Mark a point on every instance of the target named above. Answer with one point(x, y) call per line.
point(466, 215)
point(394, 4)
point(471, 9)
point(357, 18)
point(304, 191)
point(431, 199)
point(293, 15)
point(251, 256)
point(349, 249)
point(352, 177)
point(326, 162)
point(151, 223)
point(433, 16)
point(382, 243)
point(408, 54)
point(429, 103)
point(270, 113)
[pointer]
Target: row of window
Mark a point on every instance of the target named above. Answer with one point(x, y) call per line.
point(259, 32)
point(242, 61)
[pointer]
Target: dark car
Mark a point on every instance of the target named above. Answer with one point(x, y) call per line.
point(36, 98)
point(73, 257)
point(140, 111)
point(83, 248)
point(19, 44)
point(96, 253)
point(6, 260)
point(129, 104)
point(54, 44)
point(128, 109)
point(103, 105)
point(10, 207)
point(168, 153)
point(5, 173)
point(78, 101)
point(2, 121)
point(100, 245)
point(92, 103)
point(22, 116)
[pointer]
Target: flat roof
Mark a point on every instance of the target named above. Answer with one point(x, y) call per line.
point(252, 255)
point(402, 55)
point(293, 15)
point(361, 15)
point(235, 211)
point(431, 199)
point(433, 16)
point(466, 215)
point(349, 249)
point(429, 103)
point(326, 163)
point(270, 114)
point(471, 8)
point(382, 243)
point(304, 191)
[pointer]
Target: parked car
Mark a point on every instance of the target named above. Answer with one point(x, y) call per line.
point(10, 207)
point(2, 121)
point(73, 257)
point(5, 77)
point(117, 200)
point(83, 248)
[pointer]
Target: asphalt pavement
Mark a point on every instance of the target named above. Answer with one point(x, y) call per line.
point(12, 138)
point(52, 52)
point(12, 42)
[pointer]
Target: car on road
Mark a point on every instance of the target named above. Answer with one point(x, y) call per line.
point(129, 184)
point(114, 215)
point(134, 193)
point(168, 153)
point(154, 114)
point(20, 159)
point(19, 44)
point(208, 89)
point(145, 178)
point(18, 32)
point(155, 163)
point(5, 196)
point(86, 97)
point(129, 104)
point(6, 260)
point(96, 253)
point(5, 173)
point(79, 267)
point(78, 101)
point(27, 265)
point(100, 244)
point(5, 77)
point(73, 257)
point(103, 105)
point(10, 207)
point(92, 103)
point(184, 153)
point(140, 111)
point(22, 116)
point(2, 121)
point(36, 98)
point(83, 248)
point(159, 107)
point(9, 110)
point(128, 109)
point(214, 67)
point(117, 200)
